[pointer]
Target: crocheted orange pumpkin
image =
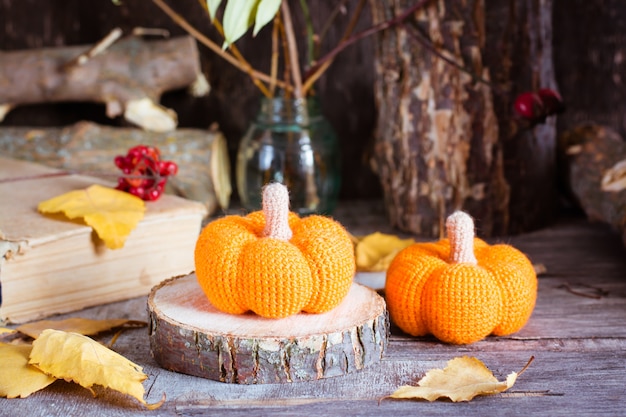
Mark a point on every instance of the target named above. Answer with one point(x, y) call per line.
point(273, 262)
point(460, 289)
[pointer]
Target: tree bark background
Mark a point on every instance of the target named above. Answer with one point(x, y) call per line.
point(590, 62)
point(453, 142)
point(519, 50)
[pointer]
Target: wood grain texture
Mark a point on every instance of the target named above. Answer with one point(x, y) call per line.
point(130, 71)
point(579, 344)
point(189, 335)
point(131, 68)
point(594, 169)
point(50, 264)
point(446, 137)
point(202, 158)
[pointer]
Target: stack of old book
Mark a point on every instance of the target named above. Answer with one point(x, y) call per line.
point(49, 264)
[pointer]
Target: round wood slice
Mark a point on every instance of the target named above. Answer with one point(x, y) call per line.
point(189, 335)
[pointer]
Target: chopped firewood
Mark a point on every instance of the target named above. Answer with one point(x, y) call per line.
point(128, 76)
point(594, 160)
point(201, 155)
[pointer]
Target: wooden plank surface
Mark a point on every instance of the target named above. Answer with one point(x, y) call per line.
point(579, 345)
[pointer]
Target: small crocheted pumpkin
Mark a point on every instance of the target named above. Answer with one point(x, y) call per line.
point(460, 289)
point(273, 262)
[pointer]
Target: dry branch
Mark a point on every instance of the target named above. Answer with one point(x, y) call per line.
point(96, 49)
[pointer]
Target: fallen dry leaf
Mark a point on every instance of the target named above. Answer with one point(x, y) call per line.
point(113, 214)
point(463, 379)
point(18, 379)
point(375, 251)
point(87, 327)
point(77, 358)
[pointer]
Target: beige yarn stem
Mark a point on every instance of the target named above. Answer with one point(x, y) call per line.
point(276, 211)
point(460, 229)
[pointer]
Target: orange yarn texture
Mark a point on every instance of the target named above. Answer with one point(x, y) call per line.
point(273, 262)
point(460, 289)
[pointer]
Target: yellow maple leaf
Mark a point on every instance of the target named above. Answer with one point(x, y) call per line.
point(113, 214)
point(18, 379)
point(463, 379)
point(87, 327)
point(375, 251)
point(77, 358)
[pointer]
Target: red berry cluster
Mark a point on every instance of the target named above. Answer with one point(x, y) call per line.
point(535, 107)
point(145, 174)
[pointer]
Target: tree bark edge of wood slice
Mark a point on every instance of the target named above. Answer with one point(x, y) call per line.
point(188, 335)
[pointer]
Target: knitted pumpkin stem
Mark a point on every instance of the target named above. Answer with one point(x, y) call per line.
point(276, 211)
point(460, 229)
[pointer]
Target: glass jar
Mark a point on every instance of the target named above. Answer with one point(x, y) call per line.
point(290, 142)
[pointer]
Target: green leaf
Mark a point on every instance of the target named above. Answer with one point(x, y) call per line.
point(213, 5)
point(238, 18)
point(265, 13)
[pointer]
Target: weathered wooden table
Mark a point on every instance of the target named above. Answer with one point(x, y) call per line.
point(578, 341)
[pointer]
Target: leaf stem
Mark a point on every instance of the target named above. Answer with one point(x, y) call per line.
point(417, 36)
point(310, 31)
point(96, 49)
point(285, 49)
point(249, 70)
point(351, 25)
point(293, 50)
point(318, 69)
point(333, 15)
point(532, 358)
point(275, 54)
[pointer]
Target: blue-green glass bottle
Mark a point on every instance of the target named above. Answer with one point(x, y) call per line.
point(290, 142)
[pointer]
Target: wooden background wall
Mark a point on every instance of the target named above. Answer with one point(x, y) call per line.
point(589, 51)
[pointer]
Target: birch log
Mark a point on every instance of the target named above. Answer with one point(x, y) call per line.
point(188, 335)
